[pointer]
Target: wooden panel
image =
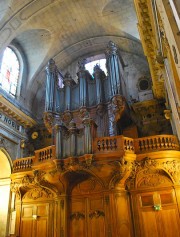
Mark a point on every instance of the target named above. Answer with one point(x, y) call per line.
point(96, 203)
point(77, 218)
point(41, 227)
point(27, 211)
point(96, 217)
point(166, 198)
point(42, 210)
point(122, 215)
point(147, 200)
point(97, 226)
point(77, 228)
point(149, 224)
point(26, 228)
point(169, 223)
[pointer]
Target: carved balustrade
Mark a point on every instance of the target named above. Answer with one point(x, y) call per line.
point(115, 143)
point(44, 154)
point(156, 143)
point(23, 164)
point(106, 145)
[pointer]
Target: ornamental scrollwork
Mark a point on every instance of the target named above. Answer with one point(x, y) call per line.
point(96, 214)
point(38, 193)
point(173, 168)
point(122, 171)
point(118, 106)
point(77, 216)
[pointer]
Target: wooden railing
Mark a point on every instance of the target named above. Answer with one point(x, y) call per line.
point(23, 164)
point(156, 143)
point(45, 154)
point(110, 144)
point(106, 145)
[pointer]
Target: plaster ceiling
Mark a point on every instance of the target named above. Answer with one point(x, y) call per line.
point(66, 30)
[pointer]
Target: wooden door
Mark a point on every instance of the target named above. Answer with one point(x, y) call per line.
point(87, 217)
point(27, 223)
point(158, 214)
point(34, 220)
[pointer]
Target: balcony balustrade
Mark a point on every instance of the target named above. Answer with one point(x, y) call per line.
point(106, 145)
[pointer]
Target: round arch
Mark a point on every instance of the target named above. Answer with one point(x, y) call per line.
point(5, 197)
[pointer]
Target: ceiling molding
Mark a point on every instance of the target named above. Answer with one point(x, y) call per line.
point(16, 114)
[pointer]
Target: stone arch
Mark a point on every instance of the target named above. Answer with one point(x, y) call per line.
point(6, 198)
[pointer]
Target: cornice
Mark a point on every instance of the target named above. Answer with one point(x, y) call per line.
point(16, 114)
point(147, 33)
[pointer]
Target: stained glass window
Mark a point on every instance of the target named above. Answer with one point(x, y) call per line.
point(100, 62)
point(9, 71)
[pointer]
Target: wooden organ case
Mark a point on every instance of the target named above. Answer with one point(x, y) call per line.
point(93, 182)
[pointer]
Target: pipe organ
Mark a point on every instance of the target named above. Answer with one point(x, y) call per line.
point(95, 180)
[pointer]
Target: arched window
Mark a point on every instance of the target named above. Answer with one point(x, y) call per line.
point(101, 62)
point(9, 71)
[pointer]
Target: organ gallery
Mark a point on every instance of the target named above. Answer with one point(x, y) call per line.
point(95, 153)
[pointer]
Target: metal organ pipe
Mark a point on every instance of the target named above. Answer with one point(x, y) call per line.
point(67, 86)
point(82, 73)
point(51, 70)
point(113, 67)
point(98, 73)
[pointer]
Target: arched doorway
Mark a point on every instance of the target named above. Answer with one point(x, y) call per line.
point(5, 193)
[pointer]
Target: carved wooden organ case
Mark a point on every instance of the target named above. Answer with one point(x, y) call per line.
point(92, 182)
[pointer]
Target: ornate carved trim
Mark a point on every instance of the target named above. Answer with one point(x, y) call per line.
point(96, 214)
point(77, 216)
point(13, 112)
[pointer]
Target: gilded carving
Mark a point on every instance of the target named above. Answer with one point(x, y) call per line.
point(27, 181)
point(67, 117)
point(145, 27)
point(15, 189)
point(152, 180)
point(48, 121)
point(121, 173)
point(173, 168)
point(83, 112)
point(118, 106)
point(38, 193)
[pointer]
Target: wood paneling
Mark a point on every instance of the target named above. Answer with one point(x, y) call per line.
point(27, 228)
point(157, 223)
point(34, 221)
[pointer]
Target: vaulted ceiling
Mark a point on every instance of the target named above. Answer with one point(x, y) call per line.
point(65, 30)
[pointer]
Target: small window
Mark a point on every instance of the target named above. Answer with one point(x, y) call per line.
point(60, 83)
point(9, 71)
point(101, 62)
point(143, 84)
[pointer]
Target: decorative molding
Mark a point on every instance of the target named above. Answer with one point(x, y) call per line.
point(118, 106)
point(96, 214)
point(150, 46)
point(77, 216)
point(38, 193)
point(13, 112)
